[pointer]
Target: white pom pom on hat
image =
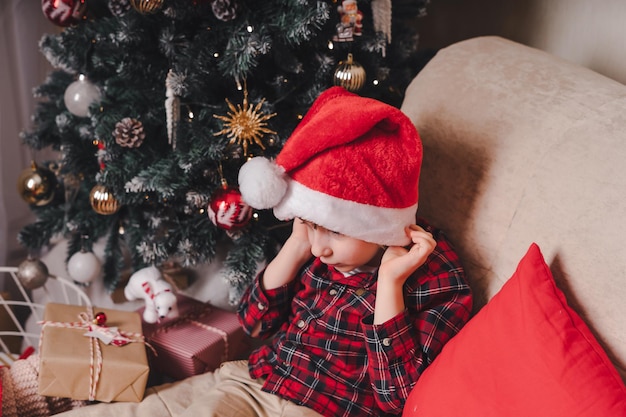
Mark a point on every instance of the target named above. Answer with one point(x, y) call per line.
point(262, 183)
point(352, 165)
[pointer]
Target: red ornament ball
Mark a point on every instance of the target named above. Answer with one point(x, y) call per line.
point(227, 210)
point(64, 12)
point(100, 319)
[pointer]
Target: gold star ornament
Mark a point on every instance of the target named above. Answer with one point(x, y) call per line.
point(245, 124)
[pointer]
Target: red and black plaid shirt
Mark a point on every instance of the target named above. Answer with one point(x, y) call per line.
point(326, 353)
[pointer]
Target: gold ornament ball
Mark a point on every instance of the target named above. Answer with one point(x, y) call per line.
point(103, 201)
point(146, 6)
point(350, 75)
point(36, 185)
point(32, 273)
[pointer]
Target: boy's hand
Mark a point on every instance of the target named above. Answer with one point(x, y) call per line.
point(299, 230)
point(299, 238)
point(398, 263)
point(292, 256)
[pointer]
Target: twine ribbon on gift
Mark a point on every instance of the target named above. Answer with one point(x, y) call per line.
point(193, 318)
point(95, 332)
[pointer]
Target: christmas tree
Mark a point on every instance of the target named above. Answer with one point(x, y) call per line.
point(153, 106)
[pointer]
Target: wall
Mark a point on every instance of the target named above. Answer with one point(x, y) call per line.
point(591, 33)
point(22, 67)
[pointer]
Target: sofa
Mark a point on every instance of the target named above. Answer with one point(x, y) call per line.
point(523, 169)
point(524, 159)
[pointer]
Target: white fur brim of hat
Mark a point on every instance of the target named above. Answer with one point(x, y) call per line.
point(264, 185)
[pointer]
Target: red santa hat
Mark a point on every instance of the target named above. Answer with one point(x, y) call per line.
point(352, 166)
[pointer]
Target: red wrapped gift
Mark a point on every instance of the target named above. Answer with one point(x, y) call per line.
point(197, 341)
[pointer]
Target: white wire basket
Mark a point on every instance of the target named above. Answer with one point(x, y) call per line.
point(24, 314)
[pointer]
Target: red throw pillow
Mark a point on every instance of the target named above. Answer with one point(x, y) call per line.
point(526, 353)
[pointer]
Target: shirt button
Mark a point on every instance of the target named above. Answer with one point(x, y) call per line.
point(300, 323)
point(332, 291)
point(360, 292)
point(260, 306)
point(387, 341)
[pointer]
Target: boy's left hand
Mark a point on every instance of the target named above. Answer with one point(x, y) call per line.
point(398, 263)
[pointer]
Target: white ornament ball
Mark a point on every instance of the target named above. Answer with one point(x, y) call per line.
point(84, 267)
point(79, 95)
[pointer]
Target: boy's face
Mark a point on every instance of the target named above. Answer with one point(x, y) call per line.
point(342, 252)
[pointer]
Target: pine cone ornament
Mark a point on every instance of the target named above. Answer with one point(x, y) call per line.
point(225, 10)
point(119, 7)
point(129, 133)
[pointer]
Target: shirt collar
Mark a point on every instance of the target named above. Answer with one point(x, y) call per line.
point(362, 277)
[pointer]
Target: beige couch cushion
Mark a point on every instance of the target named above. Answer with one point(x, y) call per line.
point(522, 147)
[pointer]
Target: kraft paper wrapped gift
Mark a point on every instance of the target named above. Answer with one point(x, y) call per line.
point(197, 341)
point(67, 356)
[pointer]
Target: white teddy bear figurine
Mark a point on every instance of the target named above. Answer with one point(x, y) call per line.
point(148, 284)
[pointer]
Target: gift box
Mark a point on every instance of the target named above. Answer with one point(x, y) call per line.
point(83, 361)
point(197, 341)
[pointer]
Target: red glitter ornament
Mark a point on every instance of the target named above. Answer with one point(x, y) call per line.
point(100, 319)
point(227, 210)
point(100, 154)
point(64, 12)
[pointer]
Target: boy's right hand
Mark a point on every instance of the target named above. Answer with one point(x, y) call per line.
point(300, 237)
point(292, 256)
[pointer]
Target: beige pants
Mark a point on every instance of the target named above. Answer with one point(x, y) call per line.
point(227, 392)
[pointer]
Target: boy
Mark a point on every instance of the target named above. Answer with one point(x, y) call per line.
point(358, 301)
point(355, 316)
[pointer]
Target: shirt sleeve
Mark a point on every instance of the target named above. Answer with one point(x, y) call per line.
point(438, 303)
point(270, 307)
